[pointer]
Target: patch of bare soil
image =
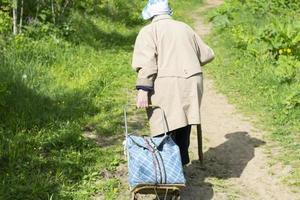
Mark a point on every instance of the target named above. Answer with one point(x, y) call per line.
point(199, 24)
point(236, 166)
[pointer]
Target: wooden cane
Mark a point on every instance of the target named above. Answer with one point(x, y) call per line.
point(199, 137)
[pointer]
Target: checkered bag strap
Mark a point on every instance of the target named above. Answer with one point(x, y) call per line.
point(155, 161)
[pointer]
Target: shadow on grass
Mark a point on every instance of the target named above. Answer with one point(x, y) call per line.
point(91, 34)
point(127, 13)
point(26, 109)
point(124, 15)
point(137, 124)
point(42, 152)
point(225, 161)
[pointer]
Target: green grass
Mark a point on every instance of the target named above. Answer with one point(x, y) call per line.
point(53, 89)
point(256, 77)
point(52, 93)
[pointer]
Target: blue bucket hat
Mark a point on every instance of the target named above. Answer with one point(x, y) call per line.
point(156, 7)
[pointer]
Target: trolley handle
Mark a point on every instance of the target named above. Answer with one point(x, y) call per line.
point(152, 106)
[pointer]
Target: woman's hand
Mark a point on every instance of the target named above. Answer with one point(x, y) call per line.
point(142, 99)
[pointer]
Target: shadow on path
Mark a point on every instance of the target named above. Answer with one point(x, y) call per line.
point(228, 160)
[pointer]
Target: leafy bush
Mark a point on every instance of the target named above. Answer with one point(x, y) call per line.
point(283, 37)
point(5, 20)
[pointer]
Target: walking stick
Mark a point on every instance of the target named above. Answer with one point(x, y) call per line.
point(199, 137)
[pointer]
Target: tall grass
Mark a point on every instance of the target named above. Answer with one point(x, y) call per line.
point(52, 90)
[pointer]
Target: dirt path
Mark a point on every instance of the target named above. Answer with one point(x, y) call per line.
point(236, 166)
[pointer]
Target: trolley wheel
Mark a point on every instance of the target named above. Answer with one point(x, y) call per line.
point(176, 196)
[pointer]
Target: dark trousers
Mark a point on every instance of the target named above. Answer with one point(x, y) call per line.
point(181, 137)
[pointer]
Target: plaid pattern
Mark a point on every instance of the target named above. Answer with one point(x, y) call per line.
point(144, 168)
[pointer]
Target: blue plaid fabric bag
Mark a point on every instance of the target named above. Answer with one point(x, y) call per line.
point(153, 160)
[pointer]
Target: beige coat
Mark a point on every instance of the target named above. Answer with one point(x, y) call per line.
point(168, 56)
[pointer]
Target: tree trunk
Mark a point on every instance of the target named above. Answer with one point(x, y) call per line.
point(64, 7)
point(21, 16)
point(53, 11)
point(15, 16)
point(37, 11)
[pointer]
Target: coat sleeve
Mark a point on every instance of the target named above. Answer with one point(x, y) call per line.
point(144, 60)
point(205, 53)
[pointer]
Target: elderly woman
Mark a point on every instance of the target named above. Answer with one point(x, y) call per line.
point(168, 56)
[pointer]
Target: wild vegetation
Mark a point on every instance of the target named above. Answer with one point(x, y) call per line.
point(65, 70)
point(257, 45)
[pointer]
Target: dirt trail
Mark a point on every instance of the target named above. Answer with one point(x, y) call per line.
point(236, 166)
